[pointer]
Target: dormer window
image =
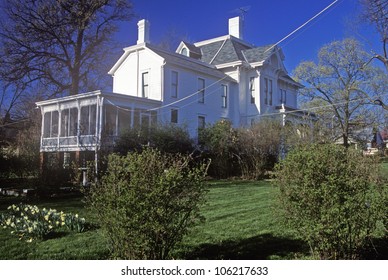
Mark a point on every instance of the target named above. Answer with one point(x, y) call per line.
point(189, 50)
point(184, 52)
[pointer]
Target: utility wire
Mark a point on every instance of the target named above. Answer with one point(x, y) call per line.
point(314, 108)
point(303, 25)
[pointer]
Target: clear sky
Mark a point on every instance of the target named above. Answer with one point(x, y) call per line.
point(266, 22)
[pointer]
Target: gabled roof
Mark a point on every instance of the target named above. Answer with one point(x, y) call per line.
point(192, 48)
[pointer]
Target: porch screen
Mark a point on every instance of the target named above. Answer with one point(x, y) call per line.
point(110, 120)
point(124, 119)
point(50, 127)
point(69, 122)
point(88, 120)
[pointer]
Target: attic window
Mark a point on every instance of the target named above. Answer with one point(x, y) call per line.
point(185, 52)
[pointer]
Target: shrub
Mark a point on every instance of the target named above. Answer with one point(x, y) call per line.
point(29, 222)
point(332, 197)
point(167, 138)
point(258, 148)
point(147, 201)
point(219, 143)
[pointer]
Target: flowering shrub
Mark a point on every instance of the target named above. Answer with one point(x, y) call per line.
point(29, 222)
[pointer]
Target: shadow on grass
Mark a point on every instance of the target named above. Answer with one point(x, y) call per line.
point(261, 247)
point(377, 250)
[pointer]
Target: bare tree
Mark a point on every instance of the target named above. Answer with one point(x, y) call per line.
point(346, 83)
point(376, 13)
point(60, 44)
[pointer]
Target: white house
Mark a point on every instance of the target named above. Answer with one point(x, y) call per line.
point(220, 78)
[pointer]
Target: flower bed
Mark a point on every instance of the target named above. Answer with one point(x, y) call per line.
point(29, 222)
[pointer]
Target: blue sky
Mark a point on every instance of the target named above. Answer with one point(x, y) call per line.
point(266, 22)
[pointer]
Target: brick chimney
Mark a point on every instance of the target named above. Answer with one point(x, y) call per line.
point(235, 27)
point(143, 31)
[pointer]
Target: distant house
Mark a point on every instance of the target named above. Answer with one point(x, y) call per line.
point(203, 82)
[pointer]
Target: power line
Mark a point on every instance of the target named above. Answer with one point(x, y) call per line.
point(303, 25)
point(313, 108)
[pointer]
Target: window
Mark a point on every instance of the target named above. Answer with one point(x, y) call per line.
point(201, 122)
point(184, 52)
point(270, 92)
point(283, 96)
point(224, 96)
point(201, 126)
point(174, 116)
point(88, 120)
point(51, 121)
point(252, 89)
point(69, 122)
point(174, 84)
point(144, 85)
point(201, 90)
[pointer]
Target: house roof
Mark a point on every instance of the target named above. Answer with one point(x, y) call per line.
point(258, 54)
point(229, 49)
point(192, 48)
point(191, 63)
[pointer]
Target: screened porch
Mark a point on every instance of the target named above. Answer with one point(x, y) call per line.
point(86, 121)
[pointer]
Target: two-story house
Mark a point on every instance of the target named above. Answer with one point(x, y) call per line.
point(200, 83)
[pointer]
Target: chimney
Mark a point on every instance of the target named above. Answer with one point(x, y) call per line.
point(235, 27)
point(143, 31)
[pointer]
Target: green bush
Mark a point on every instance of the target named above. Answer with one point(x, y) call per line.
point(219, 143)
point(332, 197)
point(167, 138)
point(147, 201)
point(258, 148)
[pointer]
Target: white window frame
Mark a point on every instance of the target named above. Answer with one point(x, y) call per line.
point(145, 88)
point(252, 89)
point(224, 96)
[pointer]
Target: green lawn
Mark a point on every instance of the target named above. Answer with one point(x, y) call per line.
point(241, 223)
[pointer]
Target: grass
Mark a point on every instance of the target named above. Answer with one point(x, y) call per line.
point(58, 245)
point(241, 223)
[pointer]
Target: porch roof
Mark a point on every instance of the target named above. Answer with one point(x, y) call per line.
point(115, 96)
